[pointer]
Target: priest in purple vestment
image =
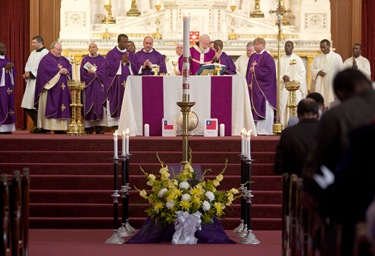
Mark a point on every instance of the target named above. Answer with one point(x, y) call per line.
point(148, 58)
point(92, 72)
point(261, 78)
point(7, 108)
point(199, 55)
point(52, 94)
point(120, 63)
point(223, 59)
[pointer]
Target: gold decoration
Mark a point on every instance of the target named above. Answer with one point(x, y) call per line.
point(133, 12)
point(76, 126)
point(109, 18)
point(257, 13)
point(292, 87)
point(232, 35)
point(157, 34)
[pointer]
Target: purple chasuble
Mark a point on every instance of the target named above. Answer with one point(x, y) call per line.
point(115, 83)
point(195, 59)
point(58, 98)
point(228, 62)
point(7, 108)
point(95, 94)
point(155, 58)
point(262, 84)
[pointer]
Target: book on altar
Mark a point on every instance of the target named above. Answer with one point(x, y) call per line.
point(210, 127)
point(168, 128)
point(209, 69)
point(89, 66)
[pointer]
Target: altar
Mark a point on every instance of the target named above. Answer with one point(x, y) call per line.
point(149, 99)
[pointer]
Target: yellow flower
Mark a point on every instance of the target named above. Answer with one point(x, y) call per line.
point(219, 208)
point(220, 177)
point(158, 206)
point(185, 205)
point(234, 191)
point(143, 194)
point(215, 183)
point(196, 200)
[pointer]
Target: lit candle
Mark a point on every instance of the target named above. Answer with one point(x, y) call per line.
point(127, 135)
point(115, 156)
point(248, 150)
point(108, 2)
point(147, 130)
point(186, 35)
point(222, 130)
point(123, 153)
point(186, 57)
point(232, 2)
point(243, 147)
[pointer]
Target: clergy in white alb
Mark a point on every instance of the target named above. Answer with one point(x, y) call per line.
point(291, 69)
point(357, 61)
point(323, 69)
point(31, 70)
point(172, 63)
point(243, 60)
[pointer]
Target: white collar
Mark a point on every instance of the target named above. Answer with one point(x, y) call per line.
point(261, 51)
point(2, 57)
point(121, 50)
point(152, 49)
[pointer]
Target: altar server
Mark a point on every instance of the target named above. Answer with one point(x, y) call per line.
point(223, 59)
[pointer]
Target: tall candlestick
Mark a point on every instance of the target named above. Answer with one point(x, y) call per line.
point(123, 153)
point(127, 135)
point(186, 58)
point(115, 149)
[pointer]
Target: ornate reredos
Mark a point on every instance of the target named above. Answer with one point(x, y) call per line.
point(81, 23)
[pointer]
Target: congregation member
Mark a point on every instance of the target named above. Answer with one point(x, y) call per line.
point(323, 69)
point(261, 79)
point(148, 57)
point(131, 47)
point(172, 64)
point(357, 61)
point(7, 107)
point(243, 60)
point(200, 54)
point(120, 63)
point(223, 59)
point(31, 70)
point(92, 72)
point(295, 142)
point(318, 98)
point(52, 94)
point(291, 69)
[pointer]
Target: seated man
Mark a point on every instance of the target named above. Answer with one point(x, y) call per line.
point(223, 59)
point(148, 57)
point(200, 54)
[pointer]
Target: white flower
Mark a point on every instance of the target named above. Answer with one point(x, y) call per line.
point(210, 195)
point(169, 204)
point(185, 197)
point(206, 206)
point(184, 185)
point(162, 191)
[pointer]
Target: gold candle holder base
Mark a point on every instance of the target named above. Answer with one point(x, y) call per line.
point(157, 35)
point(257, 13)
point(109, 18)
point(106, 34)
point(76, 126)
point(292, 87)
point(133, 12)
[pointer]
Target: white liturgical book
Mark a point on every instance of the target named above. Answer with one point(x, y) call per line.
point(89, 66)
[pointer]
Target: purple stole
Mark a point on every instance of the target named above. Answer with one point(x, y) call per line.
point(262, 83)
point(7, 107)
point(58, 98)
point(155, 57)
point(95, 94)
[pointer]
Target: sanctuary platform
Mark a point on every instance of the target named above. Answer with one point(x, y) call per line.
point(72, 176)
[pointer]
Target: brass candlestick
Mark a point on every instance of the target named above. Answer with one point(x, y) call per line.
point(277, 127)
point(257, 13)
point(76, 126)
point(133, 12)
point(109, 18)
point(232, 35)
point(292, 87)
point(157, 34)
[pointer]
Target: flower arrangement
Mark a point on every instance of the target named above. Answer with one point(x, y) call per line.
point(183, 192)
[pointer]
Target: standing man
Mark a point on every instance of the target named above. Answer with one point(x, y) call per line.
point(261, 78)
point(243, 60)
point(7, 108)
point(120, 63)
point(323, 69)
point(358, 61)
point(31, 70)
point(52, 94)
point(200, 54)
point(92, 72)
point(148, 57)
point(223, 59)
point(291, 69)
point(172, 65)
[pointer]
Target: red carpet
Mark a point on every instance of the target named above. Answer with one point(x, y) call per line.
point(63, 242)
point(72, 176)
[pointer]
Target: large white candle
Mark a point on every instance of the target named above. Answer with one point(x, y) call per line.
point(248, 150)
point(243, 146)
point(115, 149)
point(186, 57)
point(186, 35)
point(127, 135)
point(123, 153)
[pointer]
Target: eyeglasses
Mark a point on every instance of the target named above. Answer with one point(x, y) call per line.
point(59, 49)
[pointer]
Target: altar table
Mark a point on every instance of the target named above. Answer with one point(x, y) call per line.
point(148, 99)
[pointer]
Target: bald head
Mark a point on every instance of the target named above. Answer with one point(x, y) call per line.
point(308, 108)
point(93, 49)
point(56, 48)
point(148, 43)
